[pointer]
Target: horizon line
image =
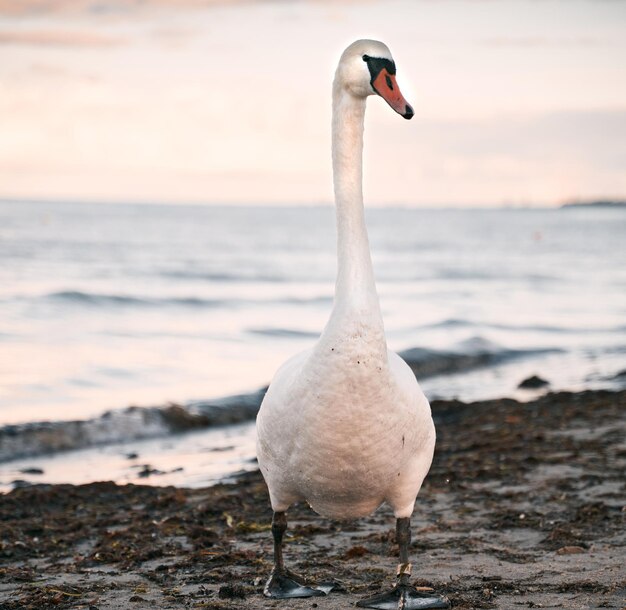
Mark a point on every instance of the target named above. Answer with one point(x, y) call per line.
point(305, 204)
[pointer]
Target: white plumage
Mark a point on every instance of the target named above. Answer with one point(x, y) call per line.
point(345, 425)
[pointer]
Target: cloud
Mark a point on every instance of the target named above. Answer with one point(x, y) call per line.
point(31, 8)
point(23, 8)
point(541, 41)
point(173, 37)
point(59, 38)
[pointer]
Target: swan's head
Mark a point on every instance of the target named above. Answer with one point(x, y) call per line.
point(367, 68)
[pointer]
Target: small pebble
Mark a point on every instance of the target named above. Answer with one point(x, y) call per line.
point(31, 471)
point(231, 591)
point(570, 550)
point(533, 382)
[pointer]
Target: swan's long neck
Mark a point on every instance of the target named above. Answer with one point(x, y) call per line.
point(355, 291)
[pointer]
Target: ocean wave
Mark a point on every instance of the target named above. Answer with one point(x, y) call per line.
point(473, 353)
point(448, 323)
point(492, 275)
point(322, 299)
point(225, 276)
point(135, 423)
point(283, 333)
point(543, 328)
point(90, 298)
point(132, 423)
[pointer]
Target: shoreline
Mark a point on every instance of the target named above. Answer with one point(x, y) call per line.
point(523, 507)
point(44, 437)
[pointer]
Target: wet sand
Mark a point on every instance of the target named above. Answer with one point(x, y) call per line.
point(523, 508)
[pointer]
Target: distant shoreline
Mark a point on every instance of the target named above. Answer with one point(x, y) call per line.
point(601, 203)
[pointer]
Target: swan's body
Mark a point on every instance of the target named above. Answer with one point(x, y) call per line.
point(345, 425)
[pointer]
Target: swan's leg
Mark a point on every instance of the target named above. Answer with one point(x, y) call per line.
point(403, 596)
point(283, 583)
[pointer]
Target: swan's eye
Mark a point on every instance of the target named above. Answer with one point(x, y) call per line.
point(366, 57)
point(389, 83)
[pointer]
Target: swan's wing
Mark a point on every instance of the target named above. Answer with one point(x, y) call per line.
point(276, 421)
point(407, 383)
point(420, 441)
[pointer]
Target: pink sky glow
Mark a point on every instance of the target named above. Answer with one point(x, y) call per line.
point(517, 102)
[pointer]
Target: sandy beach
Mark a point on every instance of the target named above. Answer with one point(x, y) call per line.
point(523, 507)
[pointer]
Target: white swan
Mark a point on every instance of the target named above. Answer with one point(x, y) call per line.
point(344, 425)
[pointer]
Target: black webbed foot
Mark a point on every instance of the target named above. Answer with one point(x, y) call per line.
point(287, 585)
point(404, 597)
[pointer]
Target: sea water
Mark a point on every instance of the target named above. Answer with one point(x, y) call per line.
point(108, 305)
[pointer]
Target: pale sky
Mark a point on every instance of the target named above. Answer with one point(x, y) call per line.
point(516, 101)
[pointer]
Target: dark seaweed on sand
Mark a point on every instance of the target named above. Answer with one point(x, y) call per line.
point(523, 507)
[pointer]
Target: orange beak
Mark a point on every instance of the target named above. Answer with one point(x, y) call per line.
point(386, 86)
